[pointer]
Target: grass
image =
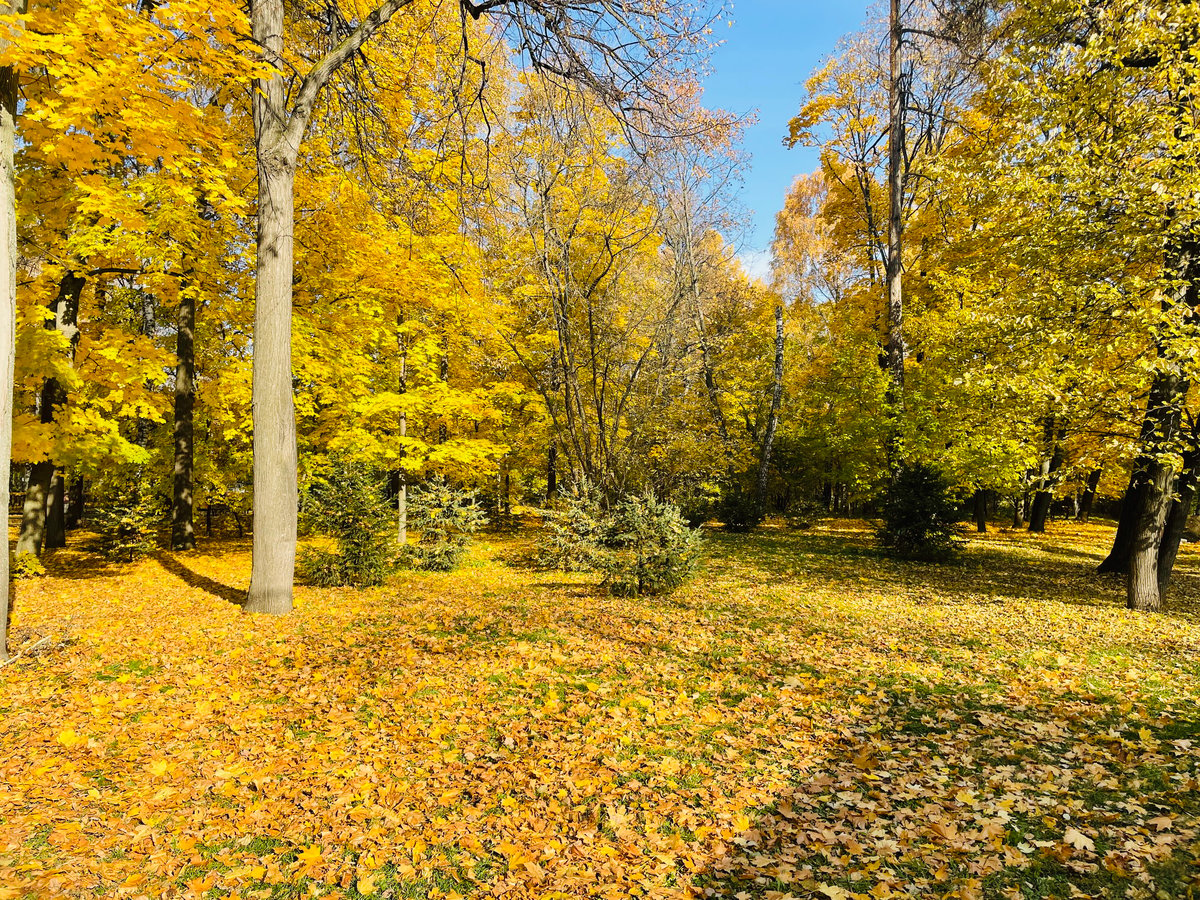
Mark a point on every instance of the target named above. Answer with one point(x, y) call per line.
point(806, 719)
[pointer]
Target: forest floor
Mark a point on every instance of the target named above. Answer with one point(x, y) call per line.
point(805, 720)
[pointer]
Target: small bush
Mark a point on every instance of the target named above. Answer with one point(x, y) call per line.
point(649, 547)
point(27, 565)
point(920, 515)
point(127, 521)
point(641, 545)
point(739, 509)
point(446, 519)
point(574, 530)
point(350, 507)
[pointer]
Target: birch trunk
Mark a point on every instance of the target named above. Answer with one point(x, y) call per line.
point(895, 263)
point(9, 86)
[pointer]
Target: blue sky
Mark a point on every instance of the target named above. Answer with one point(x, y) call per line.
point(768, 54)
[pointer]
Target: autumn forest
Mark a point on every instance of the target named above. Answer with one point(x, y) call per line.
point(416, 489)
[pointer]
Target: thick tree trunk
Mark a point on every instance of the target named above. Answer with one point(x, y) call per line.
point(1088, 500)
point(1154, 475)
point(552, 472)
point(276, 502)
point(981, 499)
point(1176, 524)
point(56, 512)
point(1117, 561)
point(33, 515)
point(764, 466)
point(9, 85)
point(1142, 584)
point(183, 528)
point(275, 487)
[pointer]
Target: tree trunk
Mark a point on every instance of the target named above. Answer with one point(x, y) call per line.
point(276, 502)
point(1088, 500)
point(278, 131)
point(897, 100)
point(45, 486)
point(75, 495)
point(1040, 510)
point(1117, 561)
point(764, 465)
point(9, 87)
point(1155, 475)
point(183, 529)
point(551, 472)
point(981, 499)
point(1018, 510)
point(402, 487)
point(56, 513)
point(1142, 584)
point(33, 515)
point(1176, 524)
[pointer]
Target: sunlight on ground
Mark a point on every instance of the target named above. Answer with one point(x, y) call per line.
point(806, 719)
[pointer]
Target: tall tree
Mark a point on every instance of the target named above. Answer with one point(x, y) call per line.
point(9, 86)
point(620, 50)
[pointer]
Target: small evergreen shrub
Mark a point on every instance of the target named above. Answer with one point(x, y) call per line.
point(446, 519)
point(574, 530)
point(641, 545)
point(649, 548)
point(127, 521)
point(350, 507)
point(920, 515)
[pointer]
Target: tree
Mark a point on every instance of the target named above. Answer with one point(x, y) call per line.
point(618, 50)
point(9, 85)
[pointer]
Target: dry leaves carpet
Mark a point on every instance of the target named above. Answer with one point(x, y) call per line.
point(806, 720)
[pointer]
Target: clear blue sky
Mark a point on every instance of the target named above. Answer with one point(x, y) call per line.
point(767, 56)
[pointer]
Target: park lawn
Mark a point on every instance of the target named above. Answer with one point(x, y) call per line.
point(805, 719)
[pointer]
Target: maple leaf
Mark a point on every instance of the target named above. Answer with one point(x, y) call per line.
point(1079, 840)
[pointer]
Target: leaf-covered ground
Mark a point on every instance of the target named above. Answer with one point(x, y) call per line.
point(806, 720)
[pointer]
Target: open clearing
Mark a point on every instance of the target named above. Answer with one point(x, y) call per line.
point(805, 719)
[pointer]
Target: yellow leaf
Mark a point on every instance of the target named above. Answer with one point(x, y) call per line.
point(366, 884)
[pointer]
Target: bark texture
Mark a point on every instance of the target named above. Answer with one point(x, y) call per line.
point(183, 528)
point(897, 90)
point(1176, 524)
point(56, 511)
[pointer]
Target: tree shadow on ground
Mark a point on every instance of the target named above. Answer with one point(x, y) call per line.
point(1024, 567)
point(962, 793)
point(194, 579)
